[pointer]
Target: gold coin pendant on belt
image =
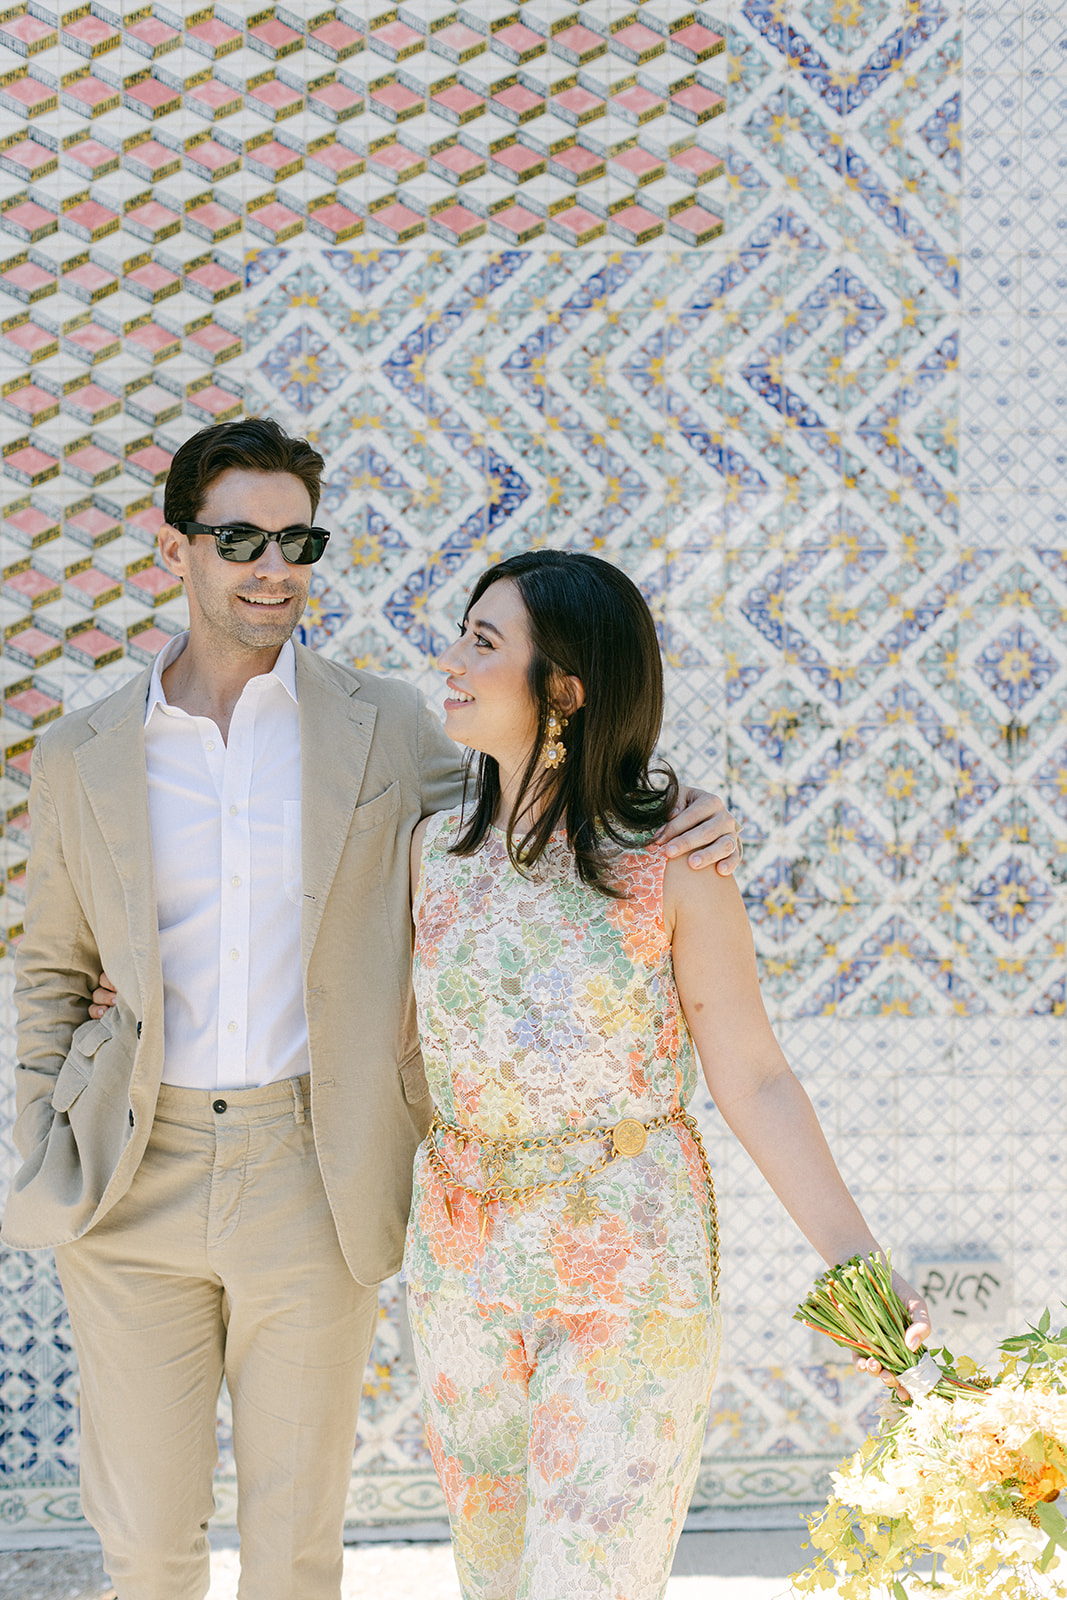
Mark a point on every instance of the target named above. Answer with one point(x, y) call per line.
point(629, 1137)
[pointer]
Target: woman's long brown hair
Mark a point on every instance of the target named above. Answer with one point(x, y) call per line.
point(588, 621)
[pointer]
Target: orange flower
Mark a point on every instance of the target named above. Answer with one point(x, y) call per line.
point(458, 1243)
point(555, 1428)
point(639, 920)
point(447, 1467)
point(592, 1330)
point(1040, 1480)
point(489, 1525)
point(444, 1390)
point(593, 1262)
point(986, 1459)
point(469, 1494)
point(638, 1074)
point(517, 1368)
point(1045, 1487)
point(437, 915)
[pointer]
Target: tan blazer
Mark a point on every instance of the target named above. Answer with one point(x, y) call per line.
point(374, 760)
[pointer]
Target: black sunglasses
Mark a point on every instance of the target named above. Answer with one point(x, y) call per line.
point(238, 541)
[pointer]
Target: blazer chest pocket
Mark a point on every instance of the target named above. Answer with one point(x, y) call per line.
point(77, 1069)
point(372, 813)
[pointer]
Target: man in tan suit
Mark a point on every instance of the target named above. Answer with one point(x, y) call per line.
point(222, 1159)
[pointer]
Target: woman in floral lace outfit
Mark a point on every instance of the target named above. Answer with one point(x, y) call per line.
point(562, 1252)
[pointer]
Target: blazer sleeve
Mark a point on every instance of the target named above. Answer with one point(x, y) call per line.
point(56, 967)
point(440, 765)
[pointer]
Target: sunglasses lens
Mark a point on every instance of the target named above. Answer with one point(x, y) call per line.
point(240, 544)
point(300, 548)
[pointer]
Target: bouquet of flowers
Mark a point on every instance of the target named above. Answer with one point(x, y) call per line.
point(963, 1477)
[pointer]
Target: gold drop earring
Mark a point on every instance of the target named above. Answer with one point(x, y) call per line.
point(554, 751)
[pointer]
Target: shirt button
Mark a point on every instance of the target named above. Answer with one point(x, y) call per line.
point(235, 955)
point(210, 745)
point(219, 1106)
point(231, 1027)
point(235, 880)
point(233, 811)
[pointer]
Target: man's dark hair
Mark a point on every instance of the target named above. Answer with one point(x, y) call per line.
point(589, 621)
point(257, 444)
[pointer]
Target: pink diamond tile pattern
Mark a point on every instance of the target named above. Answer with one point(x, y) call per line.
point(339, 83)
point(147, 155)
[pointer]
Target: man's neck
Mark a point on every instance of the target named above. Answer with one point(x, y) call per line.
point(206, 683)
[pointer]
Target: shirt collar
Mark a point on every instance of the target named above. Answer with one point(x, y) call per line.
point(283, 672)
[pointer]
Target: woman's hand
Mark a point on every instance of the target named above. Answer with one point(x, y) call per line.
point(917, 1334)
point(104, 996)
point(703, 829)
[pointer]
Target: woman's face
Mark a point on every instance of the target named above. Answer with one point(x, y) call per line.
point(488, 704)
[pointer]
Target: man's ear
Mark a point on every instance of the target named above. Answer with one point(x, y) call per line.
point(173, 549)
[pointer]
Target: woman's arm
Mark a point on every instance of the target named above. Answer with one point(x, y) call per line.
point(750, 1080)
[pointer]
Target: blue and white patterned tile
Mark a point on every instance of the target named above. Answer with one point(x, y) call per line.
point(995, 34)
point(1044, 42)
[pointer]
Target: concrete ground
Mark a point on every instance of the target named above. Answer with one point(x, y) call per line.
point(754, 1565)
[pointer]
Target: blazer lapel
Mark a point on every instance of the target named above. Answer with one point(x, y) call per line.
point(111, 766)
point(335, 736)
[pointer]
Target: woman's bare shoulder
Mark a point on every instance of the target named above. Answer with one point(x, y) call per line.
point(688, 892)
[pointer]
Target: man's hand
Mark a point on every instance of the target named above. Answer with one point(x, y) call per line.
point(103, 997)
point(917, 1334)
point(703, 829)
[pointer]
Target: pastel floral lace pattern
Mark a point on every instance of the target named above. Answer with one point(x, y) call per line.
point(566, 1360)
point(544, 1005)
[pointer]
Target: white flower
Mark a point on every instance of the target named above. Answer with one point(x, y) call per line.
point(1019, 1541)
point(881, 1492)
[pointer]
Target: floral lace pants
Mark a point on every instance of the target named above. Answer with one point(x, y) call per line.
point(567, 1442)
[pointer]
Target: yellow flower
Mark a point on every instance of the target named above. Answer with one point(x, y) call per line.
point(608, 1374)
point(670, 1345)
point(500, 1109)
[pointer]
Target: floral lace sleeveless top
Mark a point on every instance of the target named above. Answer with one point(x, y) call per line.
point(544, 1006)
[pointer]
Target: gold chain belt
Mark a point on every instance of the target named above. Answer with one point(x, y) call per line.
point(626, 1138)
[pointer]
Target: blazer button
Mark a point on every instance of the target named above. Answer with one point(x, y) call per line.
point(138, 1030)
point(219, 1106)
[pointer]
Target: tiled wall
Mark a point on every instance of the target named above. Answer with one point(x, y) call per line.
point(719, 291)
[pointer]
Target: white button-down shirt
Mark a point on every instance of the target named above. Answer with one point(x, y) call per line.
point(225, 821)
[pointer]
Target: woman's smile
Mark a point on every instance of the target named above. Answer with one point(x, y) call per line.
point(493, 654)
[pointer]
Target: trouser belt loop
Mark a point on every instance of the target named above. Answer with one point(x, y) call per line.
point(298, 1101)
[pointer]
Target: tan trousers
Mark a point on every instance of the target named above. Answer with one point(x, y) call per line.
point(221, 1259)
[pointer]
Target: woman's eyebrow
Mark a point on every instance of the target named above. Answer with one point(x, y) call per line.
point(486, 627)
